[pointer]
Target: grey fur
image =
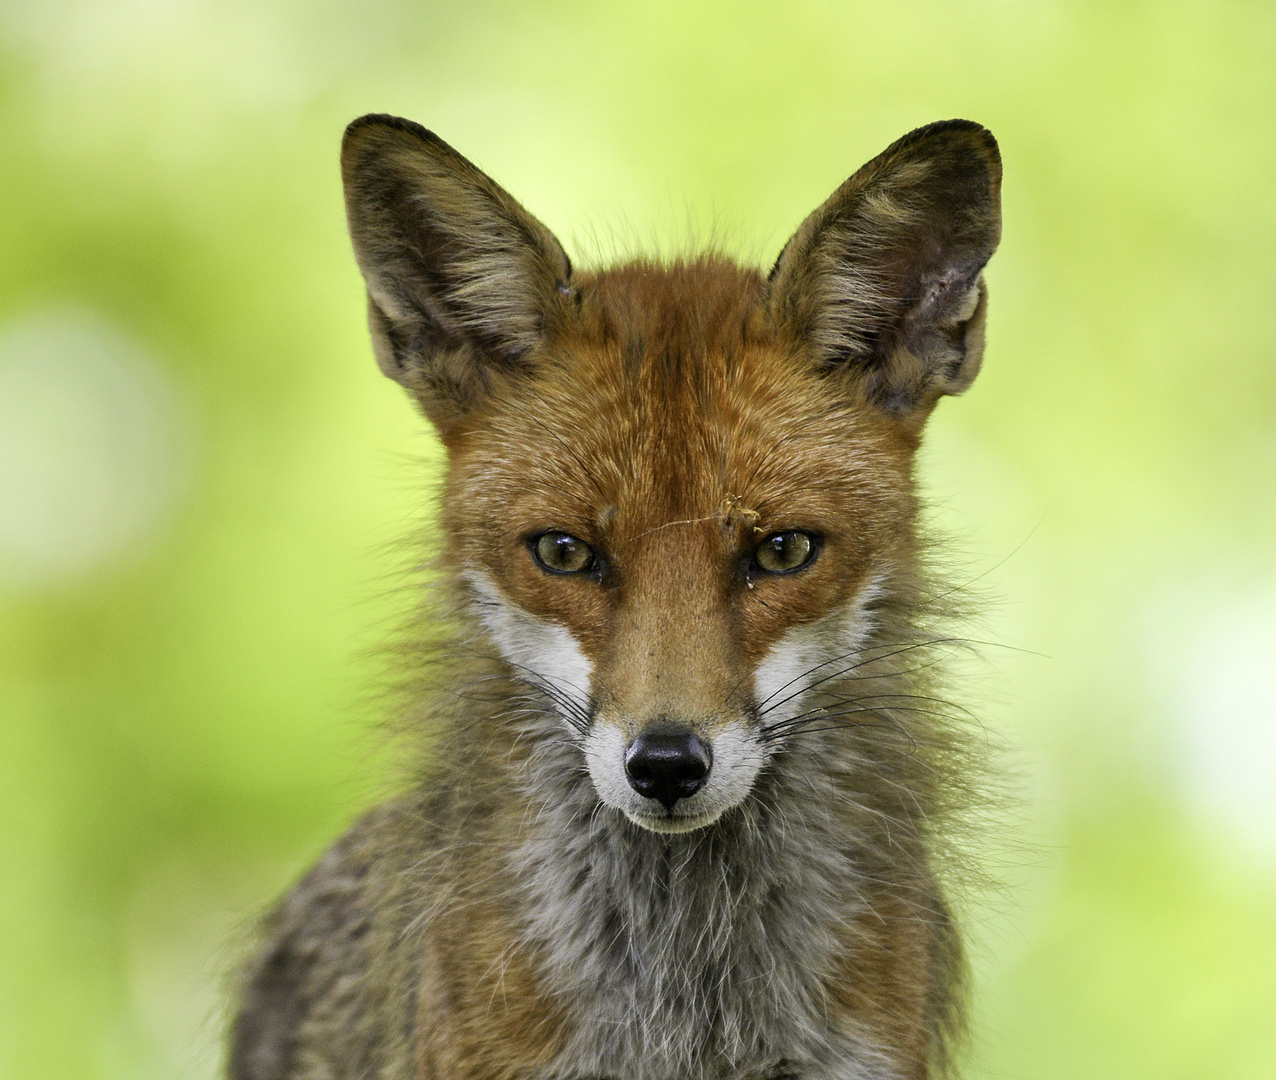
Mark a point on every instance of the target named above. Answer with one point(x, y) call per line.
point(692, 956)
point(698, 956)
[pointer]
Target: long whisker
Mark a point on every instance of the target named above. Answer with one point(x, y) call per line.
point(768, 704)
point(879, 701)
point(807, 727)
point(566, 706)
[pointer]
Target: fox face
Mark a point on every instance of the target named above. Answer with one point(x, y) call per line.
point(680, 544)
point(677, 495)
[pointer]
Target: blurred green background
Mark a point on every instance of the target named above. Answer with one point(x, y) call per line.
point(206, 490)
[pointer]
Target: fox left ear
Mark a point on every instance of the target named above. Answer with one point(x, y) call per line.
point(885, 280)
point(463, 283)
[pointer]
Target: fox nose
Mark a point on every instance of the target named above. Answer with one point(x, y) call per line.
point(667, 764)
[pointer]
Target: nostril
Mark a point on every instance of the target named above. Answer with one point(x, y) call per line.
point(667, 765)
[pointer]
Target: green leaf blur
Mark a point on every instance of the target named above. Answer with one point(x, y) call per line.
point(206, 490)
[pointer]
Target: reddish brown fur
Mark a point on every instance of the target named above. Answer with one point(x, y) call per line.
point(484, 1014)
point(683, 357)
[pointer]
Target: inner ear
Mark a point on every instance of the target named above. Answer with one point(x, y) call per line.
point(883, 282)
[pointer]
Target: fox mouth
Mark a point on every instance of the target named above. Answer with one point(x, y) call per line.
point(666, 821)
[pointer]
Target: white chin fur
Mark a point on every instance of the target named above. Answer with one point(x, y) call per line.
point(672, 823)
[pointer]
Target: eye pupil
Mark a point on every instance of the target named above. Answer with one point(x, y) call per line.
point(561, 553)
point(785, 551)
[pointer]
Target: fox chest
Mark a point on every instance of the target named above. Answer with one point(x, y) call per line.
point(674, 987)
point(685, 997)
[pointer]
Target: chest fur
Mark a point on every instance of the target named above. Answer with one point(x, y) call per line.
point(706, 955)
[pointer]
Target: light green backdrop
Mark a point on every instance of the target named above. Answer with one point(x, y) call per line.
point(205, 487)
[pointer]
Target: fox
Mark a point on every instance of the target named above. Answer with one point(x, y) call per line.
point(687, 787)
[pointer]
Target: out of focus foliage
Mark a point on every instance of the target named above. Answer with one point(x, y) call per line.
point(205, 487)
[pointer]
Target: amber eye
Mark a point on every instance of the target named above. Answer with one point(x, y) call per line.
point(562, 554)
point(784, 552)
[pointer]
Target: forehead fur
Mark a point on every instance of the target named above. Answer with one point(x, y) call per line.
point(709, 304)
point(669, 395)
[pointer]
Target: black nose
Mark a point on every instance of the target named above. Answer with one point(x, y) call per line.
point(667, 764)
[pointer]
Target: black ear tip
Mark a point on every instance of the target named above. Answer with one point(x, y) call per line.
point(384, 120)
point(957, 136)
point(979, 137)
point(382, 128)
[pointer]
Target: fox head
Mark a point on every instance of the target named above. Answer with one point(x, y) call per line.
point(677, 495)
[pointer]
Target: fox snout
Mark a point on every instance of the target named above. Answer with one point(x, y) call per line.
point(673, 776)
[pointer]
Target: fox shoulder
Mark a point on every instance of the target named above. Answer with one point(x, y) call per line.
point(315, 974)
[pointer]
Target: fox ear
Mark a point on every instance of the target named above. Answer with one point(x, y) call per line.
point(884, 281)
point(463, 283)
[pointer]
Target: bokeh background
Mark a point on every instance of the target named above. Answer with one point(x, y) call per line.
point(206, 490)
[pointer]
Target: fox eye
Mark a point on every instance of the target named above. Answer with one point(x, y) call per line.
point(784, 552)
point(560, 553)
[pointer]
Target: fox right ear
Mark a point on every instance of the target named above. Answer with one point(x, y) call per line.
point(884, 282)
point(463, 283)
